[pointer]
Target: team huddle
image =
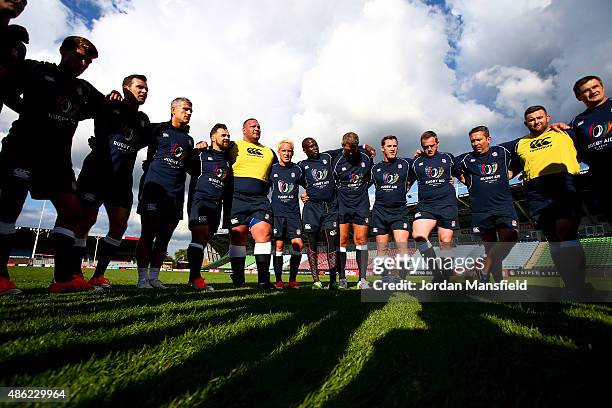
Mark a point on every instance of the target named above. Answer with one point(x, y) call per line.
point(251, 189)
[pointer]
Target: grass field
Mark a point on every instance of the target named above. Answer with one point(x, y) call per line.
point(243, 347)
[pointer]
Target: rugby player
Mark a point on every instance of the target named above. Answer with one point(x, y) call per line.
point(549, 164)
point(12, 53)
point(320, 212)
point(12, 47)
point(485, 171)
point(209, 192)
point(251, 210)
point(285, 178)
point(121, 130)
point(351, 171)
point(593, 129)
point(390, 211)
point(54, 101)
point(160, 199)
point(437, 205)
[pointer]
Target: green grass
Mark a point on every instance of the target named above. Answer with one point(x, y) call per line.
point(242, 347)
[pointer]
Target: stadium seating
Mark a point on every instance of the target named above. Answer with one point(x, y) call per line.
point(519, 255)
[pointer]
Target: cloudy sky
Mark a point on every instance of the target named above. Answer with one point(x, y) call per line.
point(321, 68)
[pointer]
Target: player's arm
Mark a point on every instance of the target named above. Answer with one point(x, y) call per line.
point(228, 192)
point(461, 167)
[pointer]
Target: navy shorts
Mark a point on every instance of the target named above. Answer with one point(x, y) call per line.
point(447, 216)
point(552, 198)
point(385, 220)
point(246, 207)
point(287, 227)
point(318, 216)
point(488, 222)
point(49, 181)
point(359, 214)
point(200, 213)
point(154, 200)
point(96, 188)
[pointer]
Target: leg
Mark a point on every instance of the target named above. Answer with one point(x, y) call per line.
point(507, 239)
point(382, 248)
point(296, 257)
point(313, 254)
point(262, 235)
point(150, 224)
point(160, 248)
point(117, 220)
point(195, 251)
point(278, 260)
point(571, 255)
point(13, 194)
point(401, 241)
point(420, 231)
point(237, 253)
point(332, 254)
point(69, 212)
point(360, 237)
point(344, 237)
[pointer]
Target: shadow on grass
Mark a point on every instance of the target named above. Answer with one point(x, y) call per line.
point(466, 358)
point(245, 370)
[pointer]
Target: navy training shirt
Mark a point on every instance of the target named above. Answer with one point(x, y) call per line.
point(285, 181)
point(317, 178)
point(391, 182)
point(593, 129)
point(211, 177)
point(352, 179)
point(433, 175)
point(486, 177)
point(167, 157)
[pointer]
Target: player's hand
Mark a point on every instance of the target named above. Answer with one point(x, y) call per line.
point(304, 197)
point(114, 96)
point(560, 126)
point(418, 152)
point(202, 145)
point(371, 151)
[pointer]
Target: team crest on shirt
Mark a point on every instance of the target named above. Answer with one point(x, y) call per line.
point(374, 229)
point(362, 164)
point(209, 158)
point(298, 232)
point(284, 187)
point(292, 174)
point(475, 230)
point(324, 161)
point(319, 175)
point(307, 226)
point(399, 166)
point(344, 169)
point(494, 154)
point(49, 78)
point(434, 172)
point(453, 223)
point(472, 160)
point(514, 223)
point(177, 150)
point(417, 215)
point(267, 216)
point(129, 135)
point(234, 221)
point(64, 104)
point(275, 175)
point(378, 170)
point(405, 225)
point(596, 131)
point(390, 178)
point(165, 134)
point(443, 160)
point(488, 169)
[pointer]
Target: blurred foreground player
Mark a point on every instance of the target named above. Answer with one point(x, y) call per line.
point(54, 101)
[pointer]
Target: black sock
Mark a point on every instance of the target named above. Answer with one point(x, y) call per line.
point(237, 263)
point(6, 241)
point(572, 264)
point(294, 264)
point(63, 245)
point(78, 252)
point(195, 256)
point(342, 265)
point(278, 267)
point(106, 251)
point(263, 268)
point(362, 262)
